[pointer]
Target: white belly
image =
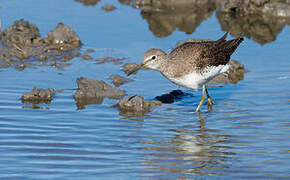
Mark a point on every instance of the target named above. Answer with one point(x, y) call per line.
point(196, 80)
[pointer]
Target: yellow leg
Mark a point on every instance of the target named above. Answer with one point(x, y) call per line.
point(202, 99)
point(209, 99)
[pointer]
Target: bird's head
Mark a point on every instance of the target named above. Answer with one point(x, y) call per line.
point(152, 59)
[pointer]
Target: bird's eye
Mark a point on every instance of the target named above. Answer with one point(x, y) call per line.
point(153, 57)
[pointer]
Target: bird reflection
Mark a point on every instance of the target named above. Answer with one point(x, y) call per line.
point(193, 151)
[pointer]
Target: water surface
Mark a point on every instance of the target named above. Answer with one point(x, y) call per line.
point(246, 135)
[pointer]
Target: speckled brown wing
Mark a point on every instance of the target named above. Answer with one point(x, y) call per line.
point(199, 55)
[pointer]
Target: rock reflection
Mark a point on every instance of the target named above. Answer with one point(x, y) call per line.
point(262, 29)
point(190, 152)
point(166, 16)
point(260, 20)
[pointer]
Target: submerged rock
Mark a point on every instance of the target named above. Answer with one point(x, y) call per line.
point(119, 80)
point(38, 95)
point(89, 2)
point(91, 91)
point(136, 105)
point(106, 59)
point(108, 7)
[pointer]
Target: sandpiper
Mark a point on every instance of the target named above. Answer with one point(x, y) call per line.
point(192, 64)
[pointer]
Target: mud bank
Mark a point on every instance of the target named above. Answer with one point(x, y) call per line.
point(22, 45)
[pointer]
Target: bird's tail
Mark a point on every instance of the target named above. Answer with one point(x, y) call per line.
point(232, 45)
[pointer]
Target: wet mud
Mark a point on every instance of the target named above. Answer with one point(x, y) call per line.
point(136, 106)
point(22, 45)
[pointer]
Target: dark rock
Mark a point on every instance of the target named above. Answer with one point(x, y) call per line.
point(108, 7)
point(91, 91)
point(38, 95)
point(136, 106)
point(118, 80)
point(129, 67)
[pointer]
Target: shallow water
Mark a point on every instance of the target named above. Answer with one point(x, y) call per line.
point(246, 135)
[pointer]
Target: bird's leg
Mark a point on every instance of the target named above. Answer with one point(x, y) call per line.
point(209, 99)
point(203, 97)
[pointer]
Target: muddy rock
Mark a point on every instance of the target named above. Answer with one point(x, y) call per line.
point(108, 7)
point(23, 47)
point(86, 56)
point(21, 33)
point(129, 67)
point(118, 80)
point(91, 91)
point(62, 35)
point(235, 74)
point(38, 95)
point(89, 2)
point(136, 105)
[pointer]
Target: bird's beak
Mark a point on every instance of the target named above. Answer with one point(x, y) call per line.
point(134, 70)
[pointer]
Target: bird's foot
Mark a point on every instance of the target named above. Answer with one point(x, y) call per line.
point(210, 102)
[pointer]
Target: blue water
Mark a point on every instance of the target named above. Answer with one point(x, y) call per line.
point(246, 135)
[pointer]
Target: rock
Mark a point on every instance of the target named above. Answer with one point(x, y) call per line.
point(233, 75)
point(20, 33)
point(38, 95)
point(108, 7)
point(89, 2)
point(90, 50)
point(62, 35)
point(129, 67)
point(22, 42)
point(118, 80)
point(136, 106)
point(106, 59)
point(86, 56)
point(91, 91)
